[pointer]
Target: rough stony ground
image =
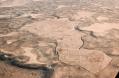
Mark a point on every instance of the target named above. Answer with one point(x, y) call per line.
point(59, 38)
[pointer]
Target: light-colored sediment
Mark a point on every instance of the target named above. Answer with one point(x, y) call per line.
point(68, 39)
point(59, 38)
point(101, 28)
point(94, 60)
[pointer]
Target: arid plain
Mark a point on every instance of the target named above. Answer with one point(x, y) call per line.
point(59, 38)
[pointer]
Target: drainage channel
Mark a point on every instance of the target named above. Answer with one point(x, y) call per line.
point(47, 72)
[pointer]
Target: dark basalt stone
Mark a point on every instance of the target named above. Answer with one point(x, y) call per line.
point(117, 76)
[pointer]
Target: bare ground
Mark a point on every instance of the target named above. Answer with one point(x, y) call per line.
point(59, 38)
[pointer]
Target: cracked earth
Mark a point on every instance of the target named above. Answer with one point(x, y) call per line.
point(59, 38)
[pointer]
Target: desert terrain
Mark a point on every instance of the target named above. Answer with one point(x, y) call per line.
point(59, 38)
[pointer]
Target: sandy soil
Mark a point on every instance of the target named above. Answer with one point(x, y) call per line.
point(59, 38)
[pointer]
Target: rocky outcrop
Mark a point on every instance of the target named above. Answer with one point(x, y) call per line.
point(26, 49)
point(8, 24)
